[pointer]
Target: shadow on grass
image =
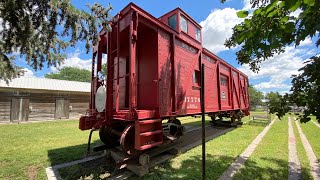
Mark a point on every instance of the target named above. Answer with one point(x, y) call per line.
point(95, 169)
point(70, 153)
point(274, 169)
point(191, 168)
point(262, 123)
point(101, 168)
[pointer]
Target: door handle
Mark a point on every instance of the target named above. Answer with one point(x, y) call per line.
point(156, 80)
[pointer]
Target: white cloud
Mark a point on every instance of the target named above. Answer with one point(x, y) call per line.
point(272, 85)
point(296, 13)
point(277, 69)
point(217, 27)
point(73, 60)
point(306, 42)
point(27, 73)
point(247, 5)
point(275, 73)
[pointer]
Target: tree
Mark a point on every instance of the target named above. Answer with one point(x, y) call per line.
point(71, 74)
point(255, 97)
point(104, 70)
point(269, 29)
point(306, 89)
point(277, 103)
point(30, 28)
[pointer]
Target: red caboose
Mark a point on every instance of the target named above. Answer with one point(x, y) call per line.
point(153, 74)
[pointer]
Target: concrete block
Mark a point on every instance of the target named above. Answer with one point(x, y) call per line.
point(144, 159)
point(138, 169)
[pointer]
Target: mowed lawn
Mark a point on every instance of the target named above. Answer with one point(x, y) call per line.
point(302, 154)
point(221, 152)
point(270, 159)
point(312, 133)
point(27, 149)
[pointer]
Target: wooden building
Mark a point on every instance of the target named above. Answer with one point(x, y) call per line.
point(37, 99)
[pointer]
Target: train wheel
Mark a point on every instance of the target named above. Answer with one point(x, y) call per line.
point(107, 137)
point(176, 131)
point(127, 141)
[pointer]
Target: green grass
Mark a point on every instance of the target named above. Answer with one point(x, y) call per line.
point(303, 158)
point(221, 152)
point(27, 149)
point(312, 133)
point(191, 121)
point(270, 159)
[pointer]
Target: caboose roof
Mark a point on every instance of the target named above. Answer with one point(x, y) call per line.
point(35, 83)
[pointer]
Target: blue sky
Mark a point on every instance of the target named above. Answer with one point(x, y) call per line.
point(217, 21)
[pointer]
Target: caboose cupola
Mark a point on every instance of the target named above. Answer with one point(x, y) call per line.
point(178, 20)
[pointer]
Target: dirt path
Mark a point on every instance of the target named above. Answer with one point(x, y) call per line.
point(314, 164)
point(238, 163)
point(293, 160)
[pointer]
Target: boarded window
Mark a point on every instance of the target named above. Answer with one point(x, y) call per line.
point(183, 24)
point(172, 22)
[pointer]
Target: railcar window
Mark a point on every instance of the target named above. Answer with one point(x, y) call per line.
point(183, 24)
point(223, 82)
point(172, 22)
point(197, 33)
point(196, 77)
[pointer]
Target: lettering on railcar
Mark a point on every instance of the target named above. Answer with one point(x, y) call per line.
point(223, 95)
point(208, 58)
point(192, 102)
point(164, 35)
point(186, 47)
point(234, 73)
point(224, 67)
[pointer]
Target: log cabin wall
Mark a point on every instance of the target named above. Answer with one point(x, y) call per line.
point(5, 106)
point(18, 105)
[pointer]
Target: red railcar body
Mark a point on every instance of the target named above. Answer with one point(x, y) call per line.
point(153, 73)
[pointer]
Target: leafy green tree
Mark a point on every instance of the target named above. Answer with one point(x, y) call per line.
point(268, 30)
point(41, 31)
point(104, 70)
point(255, 97)
point(272, 27)
point(277, 103)
point(71, 74)
point(306, 89)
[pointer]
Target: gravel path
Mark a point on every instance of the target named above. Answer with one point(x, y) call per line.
point(314, 164)
point(317, 124)
point(293, 160)
point(238, 163)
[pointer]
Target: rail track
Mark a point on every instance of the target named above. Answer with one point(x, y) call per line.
point(127, 167)
point(149, 159)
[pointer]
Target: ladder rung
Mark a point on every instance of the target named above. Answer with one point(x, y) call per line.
point(151, 133)
point(120, 77)
point(114, 51)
